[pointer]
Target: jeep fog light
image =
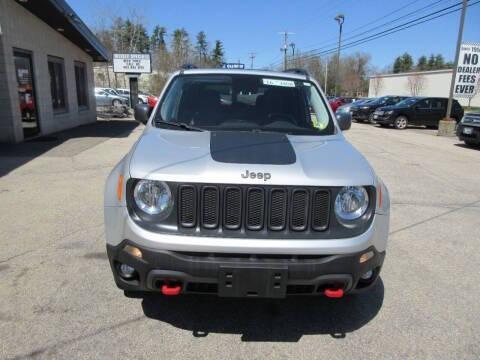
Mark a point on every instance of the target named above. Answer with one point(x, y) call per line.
point(126, 271)
point(153, 198)
point(367, 275)
point(351, 203)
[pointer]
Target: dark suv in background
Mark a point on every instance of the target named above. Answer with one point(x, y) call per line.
point(365, 112)
point(419, 111)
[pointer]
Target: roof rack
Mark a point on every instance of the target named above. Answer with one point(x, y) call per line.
point(298, 71)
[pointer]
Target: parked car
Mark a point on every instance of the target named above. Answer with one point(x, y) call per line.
point(364, 112)
point(105, 98)
point(259, 197)
point(468, 130)
point(336, 102)
point(419, 111)
point(151, 101)
point(142, 96)
point(347, 107)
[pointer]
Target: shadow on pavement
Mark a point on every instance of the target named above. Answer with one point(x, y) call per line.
point(465, 146)
point(64, 143)
point(284, 320)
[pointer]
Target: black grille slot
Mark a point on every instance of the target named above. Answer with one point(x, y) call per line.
point(232, 205)
point(320, 210)
point(255, 208)
point(278, 209)
point(187, 206)
point(299, 212)
point(210, 207)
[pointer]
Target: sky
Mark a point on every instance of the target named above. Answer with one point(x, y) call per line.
point(248, 26)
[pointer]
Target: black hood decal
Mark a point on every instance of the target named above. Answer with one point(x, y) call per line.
point(239, 147)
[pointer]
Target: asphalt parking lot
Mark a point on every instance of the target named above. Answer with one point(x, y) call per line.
point(59, 299)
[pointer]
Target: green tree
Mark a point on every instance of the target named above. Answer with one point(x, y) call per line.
point(422, 63)
point(202, 47)
point(218, 53)
point(157, 39)
point(180, 46)
point(431, 62)
point(439, 62)
point(403, 63)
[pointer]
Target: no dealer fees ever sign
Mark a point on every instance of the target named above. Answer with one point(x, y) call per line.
point(468, 71)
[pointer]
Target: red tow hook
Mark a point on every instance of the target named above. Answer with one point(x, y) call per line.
point(334, 293)
point(170, 290)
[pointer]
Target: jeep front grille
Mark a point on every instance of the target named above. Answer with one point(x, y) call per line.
point(253, 208)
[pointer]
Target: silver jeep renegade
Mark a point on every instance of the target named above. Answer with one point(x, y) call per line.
point(242, 185)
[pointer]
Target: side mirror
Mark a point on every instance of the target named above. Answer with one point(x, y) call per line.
point(142, 113)
point(344, 120)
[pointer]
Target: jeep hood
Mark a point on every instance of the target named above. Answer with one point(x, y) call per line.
point(188, 156)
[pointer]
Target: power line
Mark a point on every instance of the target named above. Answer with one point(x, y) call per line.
point(392, 30)
point(381, 25)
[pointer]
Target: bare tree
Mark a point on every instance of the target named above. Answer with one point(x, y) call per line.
point(377, 84)
point(416, 83)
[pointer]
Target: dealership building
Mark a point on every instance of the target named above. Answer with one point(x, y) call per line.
point(46, 69)
point(421, 83)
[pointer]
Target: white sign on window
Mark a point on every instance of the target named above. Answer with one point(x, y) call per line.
point(468, 71)
point(132, 63)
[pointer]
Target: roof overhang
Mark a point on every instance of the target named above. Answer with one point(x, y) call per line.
point(61, 17)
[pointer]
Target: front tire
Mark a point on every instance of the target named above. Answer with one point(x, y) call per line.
point(371, 119)
point(401, 122)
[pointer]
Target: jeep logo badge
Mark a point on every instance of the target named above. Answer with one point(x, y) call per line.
point(256, 175)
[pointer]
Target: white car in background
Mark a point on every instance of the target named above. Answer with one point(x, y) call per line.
point(142, 96)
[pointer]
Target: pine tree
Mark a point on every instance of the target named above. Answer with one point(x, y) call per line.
point(218, 53)
point(439, 62)
point(202, 47)
point(407, 62)
point(397, 65)
point(157, 40)
point(431, 62)
point(422, 63)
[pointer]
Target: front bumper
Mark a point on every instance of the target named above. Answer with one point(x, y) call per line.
point(237, 275)
point(360, 114)
point(474, 137)
point(383, 119)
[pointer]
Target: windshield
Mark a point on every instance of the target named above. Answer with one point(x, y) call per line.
point(245, 103)
point(380, 100)
point(407, 102)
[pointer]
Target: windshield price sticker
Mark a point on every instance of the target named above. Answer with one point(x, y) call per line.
point(468, 71)
point(277, 82)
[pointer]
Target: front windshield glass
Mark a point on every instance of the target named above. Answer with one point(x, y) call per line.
point(380, 100)
point(246, 103)
point(407, 102)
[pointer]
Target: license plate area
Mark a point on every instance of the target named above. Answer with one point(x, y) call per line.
point(253, 281)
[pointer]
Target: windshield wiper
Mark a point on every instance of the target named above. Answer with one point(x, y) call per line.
point(178, 125)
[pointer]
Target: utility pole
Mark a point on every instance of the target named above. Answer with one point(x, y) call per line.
point(285, 47)
point(457, 54)
point(251, 56)
point(340, 18)
point(326, 76)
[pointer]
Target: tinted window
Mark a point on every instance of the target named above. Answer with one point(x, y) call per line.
point(425, 104)
point(81, 84)
point(438, 104)
point(58, 90)
point(246, 102)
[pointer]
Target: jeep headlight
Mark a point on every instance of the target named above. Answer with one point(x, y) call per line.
point(153, 197)
point(351, 203)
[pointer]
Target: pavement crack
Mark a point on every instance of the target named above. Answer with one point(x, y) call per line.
point(434, 217)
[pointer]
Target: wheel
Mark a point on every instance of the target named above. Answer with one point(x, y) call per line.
point(471, 143)
point(401, 122)
point(371, 120)
point(116, 102)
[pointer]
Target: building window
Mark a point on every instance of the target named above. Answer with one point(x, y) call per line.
point(81, 82)
point(56, 68)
